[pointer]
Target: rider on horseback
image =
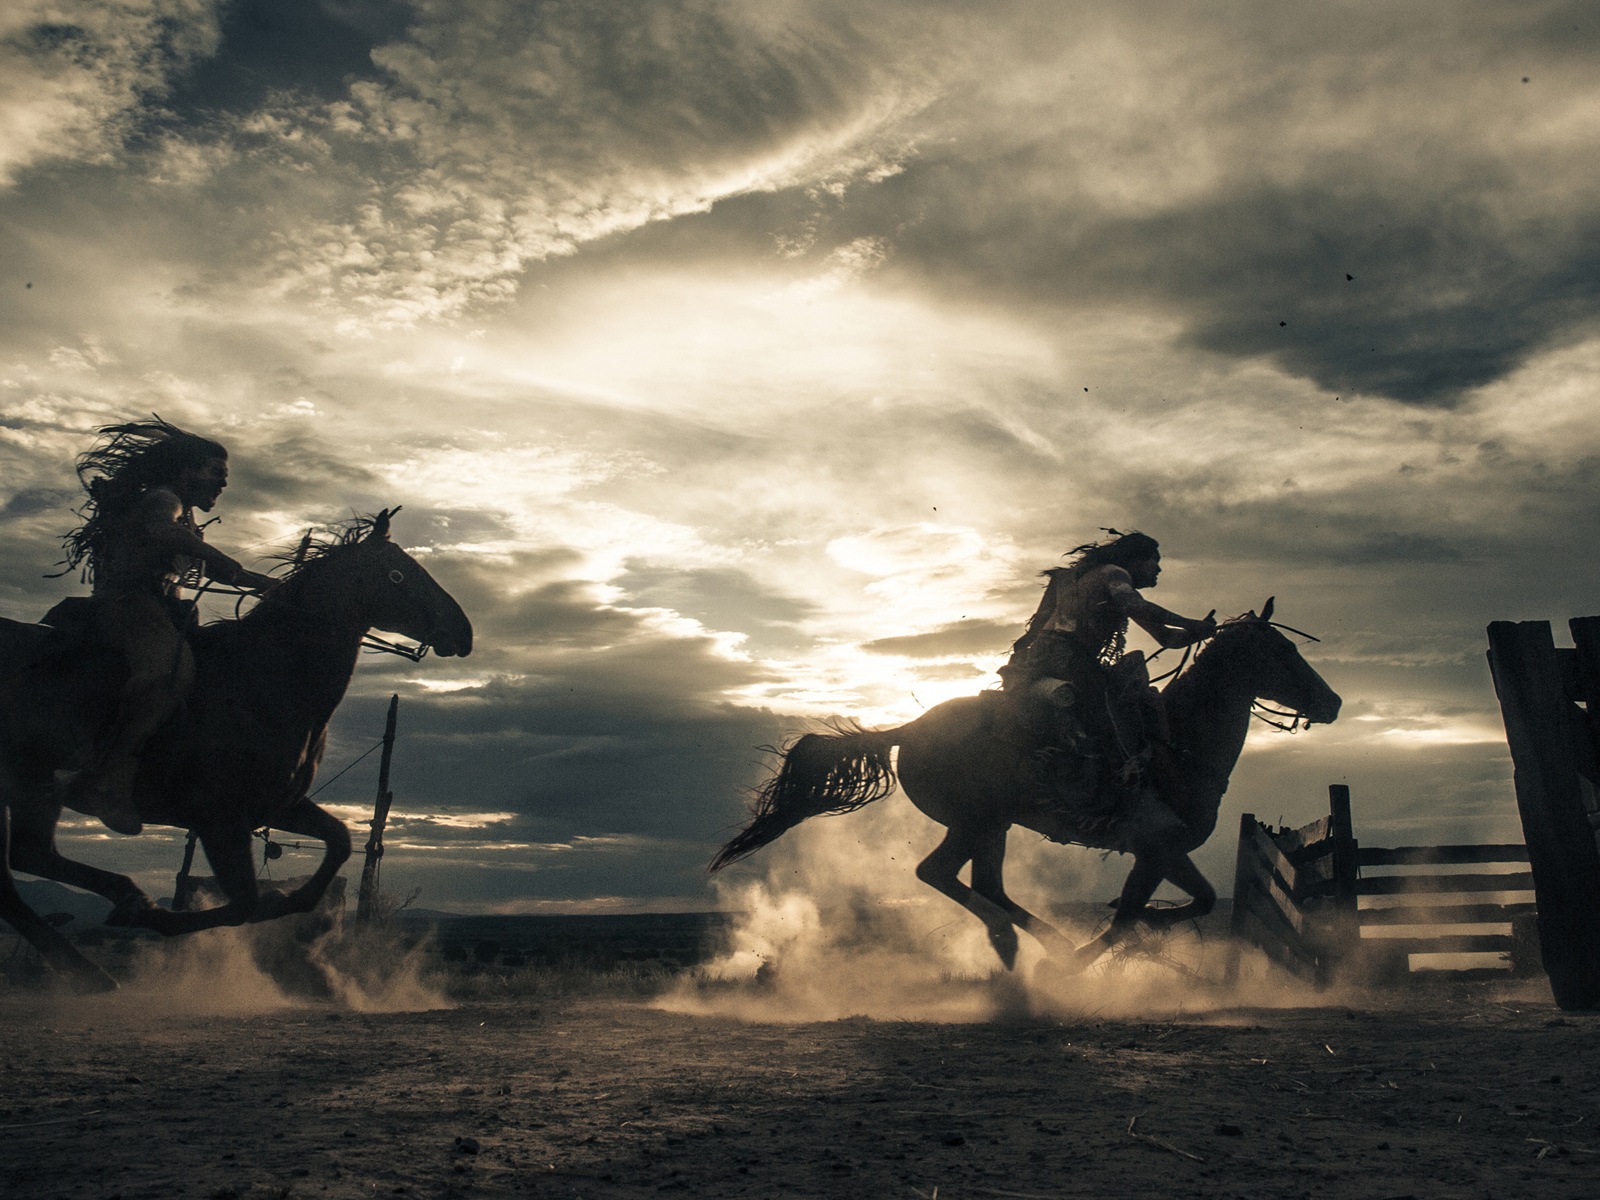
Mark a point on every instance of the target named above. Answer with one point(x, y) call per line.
point(140, 546)
point(1071, 660)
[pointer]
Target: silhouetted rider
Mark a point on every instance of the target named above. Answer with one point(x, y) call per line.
point(140, 546)
point(1073, 653)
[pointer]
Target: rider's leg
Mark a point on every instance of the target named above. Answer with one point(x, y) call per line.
point(1128, 703)
point(160, 670)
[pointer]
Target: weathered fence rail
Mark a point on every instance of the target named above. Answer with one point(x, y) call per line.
point(1313, 899)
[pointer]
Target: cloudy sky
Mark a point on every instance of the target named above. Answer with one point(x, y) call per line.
point(741, 362)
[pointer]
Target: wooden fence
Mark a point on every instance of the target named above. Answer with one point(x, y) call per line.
point(1550, 699)
point(1322, 905)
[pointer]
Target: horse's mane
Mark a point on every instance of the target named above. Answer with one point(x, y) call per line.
point(317, 544)
point(321, 541)
point(1225, 629)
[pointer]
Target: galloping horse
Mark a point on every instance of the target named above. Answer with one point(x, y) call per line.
point(240, 755)
point(955, 768)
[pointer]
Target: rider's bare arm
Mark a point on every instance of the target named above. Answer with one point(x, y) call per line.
point(1167, 627)
point(159, 515)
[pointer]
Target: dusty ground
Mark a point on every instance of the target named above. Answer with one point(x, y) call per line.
point(1460, 1091)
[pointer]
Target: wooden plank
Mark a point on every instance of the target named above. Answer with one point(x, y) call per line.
point(1294, 842)
point(1289, 955)
point(1444, 914)
point(1394, 885)
point(1273, 858)
point(1378, 856)
point(1268, 900)
point(1316, 871)
point(1586, 636)
point(1547, 735)
point(1243, 862)
point(1446, 943)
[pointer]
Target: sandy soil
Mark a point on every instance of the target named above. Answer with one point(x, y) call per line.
point(1459, 1091)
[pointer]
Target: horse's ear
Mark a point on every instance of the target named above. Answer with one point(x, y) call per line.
point(1266, 609)
point(380, 523)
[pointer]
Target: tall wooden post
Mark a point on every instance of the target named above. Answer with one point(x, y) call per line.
point(1586, 637)
point(1344, 926)
point(1241, 902)
point(367, 898)
point(1549, 740)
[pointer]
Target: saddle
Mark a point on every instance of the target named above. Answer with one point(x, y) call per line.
point(1088, 773)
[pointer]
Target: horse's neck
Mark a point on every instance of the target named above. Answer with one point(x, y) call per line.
point(1209, 708)
point(312, 648)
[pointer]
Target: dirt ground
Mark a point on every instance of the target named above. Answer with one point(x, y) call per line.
point(1450, 1091)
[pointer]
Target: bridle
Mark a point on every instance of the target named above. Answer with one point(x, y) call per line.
point(1285, 720)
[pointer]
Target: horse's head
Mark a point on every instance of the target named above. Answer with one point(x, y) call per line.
point(382, 587)
point(1270, 665)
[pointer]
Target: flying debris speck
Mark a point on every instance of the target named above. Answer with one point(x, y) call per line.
point(1281, 324)
point(1349, 278)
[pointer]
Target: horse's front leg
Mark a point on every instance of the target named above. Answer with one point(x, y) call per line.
point(1181, 872)
point(229, 851)
point(304, 817)
point(1150, 866)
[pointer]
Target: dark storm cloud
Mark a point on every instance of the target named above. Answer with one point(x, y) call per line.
point(1416, 291)
point(959, 637)
point(718, 597)
point(32, 501)
point(317, 47)
point(1373, 290)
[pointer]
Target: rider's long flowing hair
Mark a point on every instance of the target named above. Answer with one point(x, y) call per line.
point(1120, 549)
point(135, 457)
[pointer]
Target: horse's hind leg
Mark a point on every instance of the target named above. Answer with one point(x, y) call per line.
point(988, 867)
point(33, 849)
point(941, 870)
point(60, 953)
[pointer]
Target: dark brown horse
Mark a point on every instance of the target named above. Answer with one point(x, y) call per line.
point(241, 754)
point(958, 767)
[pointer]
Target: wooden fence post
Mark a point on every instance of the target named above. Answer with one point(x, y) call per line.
point(367, 897)
point(1344, 927)
point(1586, 637)
point(1547, 739)
point(1241, 883)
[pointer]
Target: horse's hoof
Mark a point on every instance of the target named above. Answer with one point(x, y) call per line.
point(133, 912)
point(89, 979)
point(1004, 942)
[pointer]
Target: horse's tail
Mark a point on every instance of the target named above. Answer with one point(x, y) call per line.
point(821, 774)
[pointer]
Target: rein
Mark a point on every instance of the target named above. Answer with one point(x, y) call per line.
point(1285, 720)
point(369, 640)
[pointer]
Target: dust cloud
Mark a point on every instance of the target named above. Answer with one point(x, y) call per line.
point(320, 961)
point(834, 924)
